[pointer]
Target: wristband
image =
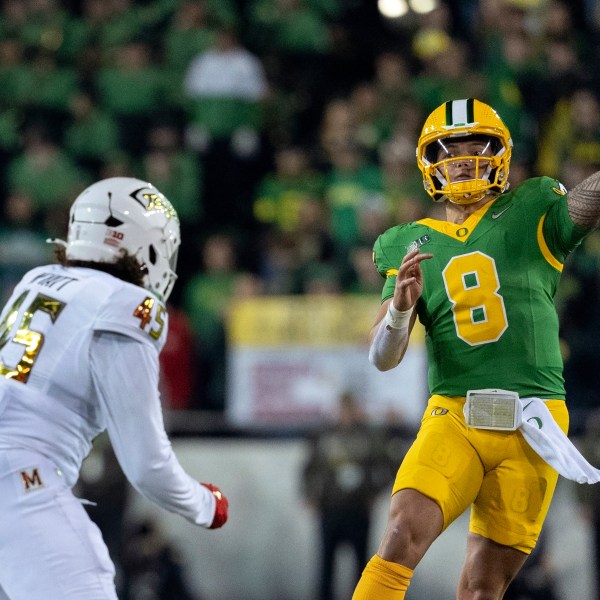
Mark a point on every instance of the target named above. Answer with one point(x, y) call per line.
point(397, 319)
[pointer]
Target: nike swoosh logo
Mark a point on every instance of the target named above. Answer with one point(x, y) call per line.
point(499, 214)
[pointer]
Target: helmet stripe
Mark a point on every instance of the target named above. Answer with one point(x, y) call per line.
point(459, 112)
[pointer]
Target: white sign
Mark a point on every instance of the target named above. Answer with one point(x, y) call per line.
point(291, 358)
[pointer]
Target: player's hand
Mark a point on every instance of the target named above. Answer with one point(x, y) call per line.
point(222, 508)
point(409, 281)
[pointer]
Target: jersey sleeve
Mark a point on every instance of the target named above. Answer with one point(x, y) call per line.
point(560, 234)
point(388, 252)
point(125, 377)
point(134, 312)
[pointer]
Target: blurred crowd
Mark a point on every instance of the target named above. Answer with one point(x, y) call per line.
point(284, 132)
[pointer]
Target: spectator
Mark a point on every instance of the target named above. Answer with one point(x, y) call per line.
point(312, 236)
point(573, 133)
point(22, 243)
point(363, 278)
point(446, 68)
point(176, 170)
point(117, 164)
point(589, 496)
point(353, 184)
point(131, 88)
point(226, 86)
point(580, 329)
point(14, 16)
point(537, 579)
point(205, 299)
point(277, 263)
point(15, 74)
point(403, 190)
point(51, 27)
point(281, 193)
point(190, 32)
point(13, 93)
point(346, 469)
point(108, 25)
point(103, 26)
point(104, 487)
point(321, 278)
point(563, 52)
point(50, 87)
point(295, 38)
point(178, 359)
point(152, 567)
point(392, 71)
point(336, 128)
point(43, 171)
point(372, 126)
point(92, 133)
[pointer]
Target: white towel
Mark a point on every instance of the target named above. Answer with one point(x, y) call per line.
point(543, 434)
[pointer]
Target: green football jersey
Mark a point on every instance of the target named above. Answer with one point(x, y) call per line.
point(488, 292)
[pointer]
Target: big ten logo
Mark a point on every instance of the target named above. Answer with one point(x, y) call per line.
point(31, 480)
point(113, 237)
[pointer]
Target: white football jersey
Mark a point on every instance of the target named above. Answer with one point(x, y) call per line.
point(79, 354)
point(47, 401)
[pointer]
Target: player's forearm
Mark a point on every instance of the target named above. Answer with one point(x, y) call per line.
point(134, 421)
point(152, 468)
point(584, 202)
point(165, 483)
point(389, 343)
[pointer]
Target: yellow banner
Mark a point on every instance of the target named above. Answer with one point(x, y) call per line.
point(302, 320)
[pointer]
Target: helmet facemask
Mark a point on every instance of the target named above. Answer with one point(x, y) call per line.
point(443, 170)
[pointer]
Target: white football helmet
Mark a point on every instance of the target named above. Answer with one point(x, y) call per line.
point(123, 213)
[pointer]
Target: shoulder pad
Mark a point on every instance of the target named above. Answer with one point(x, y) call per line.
point(135, 312)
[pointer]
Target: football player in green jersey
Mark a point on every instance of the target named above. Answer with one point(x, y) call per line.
point(482, 284)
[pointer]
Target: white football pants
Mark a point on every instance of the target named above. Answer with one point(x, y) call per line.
point(49, 547)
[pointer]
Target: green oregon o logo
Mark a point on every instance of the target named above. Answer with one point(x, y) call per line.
point(462, 232)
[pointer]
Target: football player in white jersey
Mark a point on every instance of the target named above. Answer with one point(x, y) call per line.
point(79, 346)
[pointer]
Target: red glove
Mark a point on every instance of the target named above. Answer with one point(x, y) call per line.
point(222, 506)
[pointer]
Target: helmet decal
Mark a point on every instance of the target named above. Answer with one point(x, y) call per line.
point(459, 113)
point(153, 201)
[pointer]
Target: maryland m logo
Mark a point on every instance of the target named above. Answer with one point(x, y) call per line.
point(32, 480)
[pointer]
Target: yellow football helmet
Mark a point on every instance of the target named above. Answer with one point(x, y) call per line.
point(460, 119)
